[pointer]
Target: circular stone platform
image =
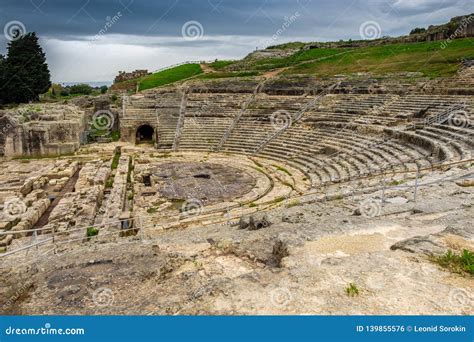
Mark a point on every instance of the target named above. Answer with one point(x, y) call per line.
point(207, 182)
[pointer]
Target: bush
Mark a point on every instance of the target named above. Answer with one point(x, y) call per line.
point(417, 30)
point(458, 263)
point(104, 89)
point(115, 135)
point(65, 92)
point(82, 89)
point(91, 231)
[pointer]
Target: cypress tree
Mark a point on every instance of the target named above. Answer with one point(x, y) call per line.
point(26, 72)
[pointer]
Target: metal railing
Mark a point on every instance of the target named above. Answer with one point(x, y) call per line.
point(180, 123)
point(53, 236)
point(239, 115)
point(299, 115)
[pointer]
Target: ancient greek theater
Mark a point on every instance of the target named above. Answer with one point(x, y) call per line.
point(304, 179)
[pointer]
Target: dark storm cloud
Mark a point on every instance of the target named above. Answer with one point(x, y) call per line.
point(59, 18)
point(87, 40)
point(143, 17)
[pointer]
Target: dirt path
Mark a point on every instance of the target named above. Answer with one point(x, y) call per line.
point(206, 68)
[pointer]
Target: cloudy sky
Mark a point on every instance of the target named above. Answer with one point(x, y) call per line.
point(91, 40)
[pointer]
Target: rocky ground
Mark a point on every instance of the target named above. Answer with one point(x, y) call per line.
point(303, 263)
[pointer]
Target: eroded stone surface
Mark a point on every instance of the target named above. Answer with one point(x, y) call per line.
point(209, 183)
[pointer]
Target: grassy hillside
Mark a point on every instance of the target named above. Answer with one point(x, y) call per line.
point(427, 57)
point(168, 76)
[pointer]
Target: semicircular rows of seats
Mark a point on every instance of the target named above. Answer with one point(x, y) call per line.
point(333, 137)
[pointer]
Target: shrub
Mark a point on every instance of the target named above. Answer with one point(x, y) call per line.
point(352, 290)
point(417, 30)
point(92, 231)
point(82, 89)
point(115, 135)
point(463, 262)
point(65, 92)
point(104, 89)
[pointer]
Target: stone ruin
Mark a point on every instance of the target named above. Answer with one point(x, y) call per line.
point(228, 181)
point(126, 76)
point(41, 129)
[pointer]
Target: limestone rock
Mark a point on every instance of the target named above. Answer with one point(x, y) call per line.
point(420, 244)
point(259, 221)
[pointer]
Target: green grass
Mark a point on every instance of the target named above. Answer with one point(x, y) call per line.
point(98, 132)
point(282, 169)
point(266, 64)
point(110, 182)
point(426, 57)
point(462, 263)
point(115, 135)
point(215, 75)
point(287, 46)
point(219, 65)
point(130, 169)
point(172, 75)
point(352, 290)
point(396, 182)
point(115, 161)
point(278, 199)
point(293, 203)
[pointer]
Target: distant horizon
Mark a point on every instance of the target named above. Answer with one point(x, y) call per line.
point(93, 84)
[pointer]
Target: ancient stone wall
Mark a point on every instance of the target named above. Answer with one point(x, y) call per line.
point(126, 76)
point(42, 130)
